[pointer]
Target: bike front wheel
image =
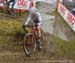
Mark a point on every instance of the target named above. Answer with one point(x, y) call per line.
point(29, 44)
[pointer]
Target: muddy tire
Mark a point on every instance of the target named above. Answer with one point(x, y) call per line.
point(29, 44)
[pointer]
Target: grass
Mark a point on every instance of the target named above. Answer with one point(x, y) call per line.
point(63, 50)
point(59, 21)
point(11, 34)
point(4, 10)
point(10, 27)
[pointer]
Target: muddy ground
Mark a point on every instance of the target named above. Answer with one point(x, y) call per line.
point(11, 54)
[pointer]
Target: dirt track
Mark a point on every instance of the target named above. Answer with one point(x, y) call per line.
point(18, 56)
point(10, 54)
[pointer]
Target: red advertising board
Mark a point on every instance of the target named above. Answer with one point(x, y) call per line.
point(67, 15)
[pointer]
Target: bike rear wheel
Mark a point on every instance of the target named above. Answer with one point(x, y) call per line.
point(29, 44)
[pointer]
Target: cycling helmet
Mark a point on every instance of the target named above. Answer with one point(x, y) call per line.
point(32, 10)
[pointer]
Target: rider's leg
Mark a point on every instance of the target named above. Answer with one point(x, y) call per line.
point(39, 36)
point(13, 5)
point(12, 9)
point(39, 31)
point(8, 4)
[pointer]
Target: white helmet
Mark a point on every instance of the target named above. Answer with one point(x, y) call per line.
point(32, 10)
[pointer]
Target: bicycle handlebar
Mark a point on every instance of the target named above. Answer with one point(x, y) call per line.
point(31, 25)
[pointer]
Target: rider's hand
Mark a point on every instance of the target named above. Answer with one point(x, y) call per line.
point(23, 26)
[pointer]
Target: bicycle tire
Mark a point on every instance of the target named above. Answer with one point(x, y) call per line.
point(29, 48)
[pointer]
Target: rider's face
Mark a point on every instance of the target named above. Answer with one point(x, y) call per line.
point(33, 14)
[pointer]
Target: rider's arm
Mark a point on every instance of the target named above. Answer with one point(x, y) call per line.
point(27, 21)
point(40, 18)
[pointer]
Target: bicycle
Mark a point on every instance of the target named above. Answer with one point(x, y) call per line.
point(31, 40)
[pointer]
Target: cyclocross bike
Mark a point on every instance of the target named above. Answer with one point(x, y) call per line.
point(31, 40)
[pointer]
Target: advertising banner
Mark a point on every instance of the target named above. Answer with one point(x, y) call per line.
point(22, 4)
point(67, 15)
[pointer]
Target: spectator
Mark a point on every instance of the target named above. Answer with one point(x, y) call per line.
point(73, 11)
point(8, 5)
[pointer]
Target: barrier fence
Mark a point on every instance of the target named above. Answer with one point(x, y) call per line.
point(19, 6)
point(67, 15)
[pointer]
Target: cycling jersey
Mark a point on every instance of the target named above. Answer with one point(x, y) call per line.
point(36, 19)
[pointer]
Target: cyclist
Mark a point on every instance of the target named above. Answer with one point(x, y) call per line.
point(35, 17)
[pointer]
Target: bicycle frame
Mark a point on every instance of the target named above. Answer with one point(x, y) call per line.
point(34, 31)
